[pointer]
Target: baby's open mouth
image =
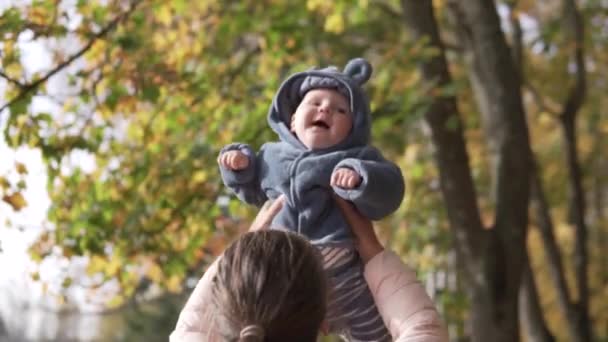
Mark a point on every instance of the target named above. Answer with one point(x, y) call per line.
point(320, 123)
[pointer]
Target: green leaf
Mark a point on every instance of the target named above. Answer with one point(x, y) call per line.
point(116, 92)
point(150, 93)
point(20, 106)
point(129, 42)
point(10, 21)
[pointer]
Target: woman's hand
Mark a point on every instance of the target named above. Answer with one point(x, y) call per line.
point(269, 210)
point(366, 240)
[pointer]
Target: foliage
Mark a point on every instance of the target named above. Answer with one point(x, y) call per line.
point(155, 88)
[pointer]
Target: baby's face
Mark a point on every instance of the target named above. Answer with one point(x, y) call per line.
point(323, 119)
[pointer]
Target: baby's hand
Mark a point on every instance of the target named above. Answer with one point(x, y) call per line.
point(345, 178)
point(233, 160)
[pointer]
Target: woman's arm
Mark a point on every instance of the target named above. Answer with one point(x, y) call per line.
point(407, 310)
point(195, 319)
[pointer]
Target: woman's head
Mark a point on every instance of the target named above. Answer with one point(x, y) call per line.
point(270, 283)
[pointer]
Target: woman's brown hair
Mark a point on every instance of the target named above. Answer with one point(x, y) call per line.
point(270, 286)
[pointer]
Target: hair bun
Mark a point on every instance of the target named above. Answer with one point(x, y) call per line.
point(252, 332)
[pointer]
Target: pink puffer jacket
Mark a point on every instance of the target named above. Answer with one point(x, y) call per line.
point(407, 310)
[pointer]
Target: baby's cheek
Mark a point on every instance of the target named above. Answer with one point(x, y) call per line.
point(292, 123)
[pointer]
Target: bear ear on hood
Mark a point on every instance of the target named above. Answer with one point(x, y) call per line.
point(359, 70)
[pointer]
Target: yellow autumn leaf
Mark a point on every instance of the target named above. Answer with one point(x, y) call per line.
point(427, 257)
point(334, 23)
point(4, 183)
point(115, 302)
point(113, 266)
point(164, 15)
point(67, 282)
point(15, 200)
point(174, 283)
point(38, 15)
point(199, 176)
point(164, 214)
point(115, 194)
point(313, 5)
point(14, 70)
point(61, 300)
point(154, 272)
point(96, 264)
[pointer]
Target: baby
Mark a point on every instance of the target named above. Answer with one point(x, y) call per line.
point(322, 118)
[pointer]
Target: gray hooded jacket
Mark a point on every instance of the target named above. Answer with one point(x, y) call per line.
point(303, 175)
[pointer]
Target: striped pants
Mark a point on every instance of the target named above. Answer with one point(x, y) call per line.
point(351, 311)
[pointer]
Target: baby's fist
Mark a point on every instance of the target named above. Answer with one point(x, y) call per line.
point(345, 178)
point(233, 160)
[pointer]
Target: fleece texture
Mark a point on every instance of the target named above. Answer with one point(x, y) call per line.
point(288, 167)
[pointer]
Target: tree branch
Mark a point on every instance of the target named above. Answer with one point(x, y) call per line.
point(531, 314)
point(452, 46)
point(517, 44)
point(576, 97)
point(553, 255)
point(544, 104)
point(28, 88)
point(578, 90)
point(10, 79)
point(388, 9)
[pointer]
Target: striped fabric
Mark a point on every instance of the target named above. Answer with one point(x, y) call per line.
point(351, 311)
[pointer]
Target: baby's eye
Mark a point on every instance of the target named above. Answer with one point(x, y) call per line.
point(342, 110)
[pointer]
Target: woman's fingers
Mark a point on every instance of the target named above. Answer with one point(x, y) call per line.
point(267, 213)
point(351, 214)
point(366, 241)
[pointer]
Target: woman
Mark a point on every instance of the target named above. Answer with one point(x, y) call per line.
point(269, 286)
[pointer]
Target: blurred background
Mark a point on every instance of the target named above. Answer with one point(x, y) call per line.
point(113, 112)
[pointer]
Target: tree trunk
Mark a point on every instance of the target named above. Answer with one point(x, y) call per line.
point(574, 26)
point(577, 210)
point(492, 260)
point(531, 314)
point(530, 311)
point(497, 91)
point(554, 259)
point(451, 156)
point(600, 218)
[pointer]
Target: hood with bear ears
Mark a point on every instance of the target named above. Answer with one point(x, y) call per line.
point(349, 83)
